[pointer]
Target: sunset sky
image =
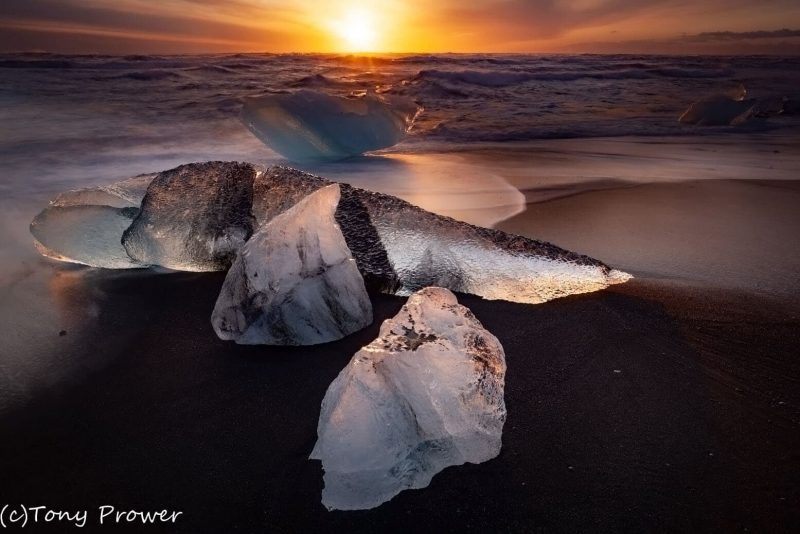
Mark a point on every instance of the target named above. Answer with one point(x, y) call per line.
point(189, 26)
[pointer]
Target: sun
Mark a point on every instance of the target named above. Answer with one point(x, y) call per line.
point(357, 30)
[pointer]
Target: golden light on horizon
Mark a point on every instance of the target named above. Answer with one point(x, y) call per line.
point(357, 29)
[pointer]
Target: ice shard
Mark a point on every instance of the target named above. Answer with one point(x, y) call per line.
point(194, 217)
point(294, 282)
point(425, 395)
point(309, 126)
point(400, 248)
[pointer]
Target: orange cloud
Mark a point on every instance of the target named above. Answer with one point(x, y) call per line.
point(129, 26)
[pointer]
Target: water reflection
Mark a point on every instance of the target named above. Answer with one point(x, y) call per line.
point(446, 184)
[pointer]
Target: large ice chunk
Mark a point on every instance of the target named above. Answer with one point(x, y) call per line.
point(425, 395)
point(400, 248)
point(294, 282)
point(309, 126)
point(194, 217)
point(84, 234)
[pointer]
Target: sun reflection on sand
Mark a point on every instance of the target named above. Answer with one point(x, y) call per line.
point(446, 184)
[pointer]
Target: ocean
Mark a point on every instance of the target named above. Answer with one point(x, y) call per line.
point(89, 118)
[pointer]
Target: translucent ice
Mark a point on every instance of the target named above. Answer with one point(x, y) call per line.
point(194, 217)
point(294, 282)
point(125, 194)
point(425, 395)
point(400, 248)
point(309, 126)
point(84, 234)
point(86, 225)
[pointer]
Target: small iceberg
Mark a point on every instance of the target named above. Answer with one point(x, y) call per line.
point(734, 109)
point(310, 126)
point(719, 110)
point(425, 395)
point(294, 282)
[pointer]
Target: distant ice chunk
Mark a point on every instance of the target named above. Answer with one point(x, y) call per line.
point(309, 126)
point(400, 248)
point(727, 109)
point(294, 282)
point(425, 395)
point(194, 217)
point(791, 105)
point(84, 234)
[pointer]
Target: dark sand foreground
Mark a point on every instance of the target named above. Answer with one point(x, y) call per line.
point(664, 404)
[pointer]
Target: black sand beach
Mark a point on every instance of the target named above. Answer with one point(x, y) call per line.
point(668, 403)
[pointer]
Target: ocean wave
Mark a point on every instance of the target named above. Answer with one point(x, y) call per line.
point(140, 57)
point(36, 64)
point(427, 91)
point(316, 80)
point(698, 72)
point(503, 78)
point(365, 81)
point(475, 97)
point(151, 75)
point(476, 77)
point(241, 66)
point(213, 69)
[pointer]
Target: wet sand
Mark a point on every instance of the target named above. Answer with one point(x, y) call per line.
point(731, 234)
point(651, 406)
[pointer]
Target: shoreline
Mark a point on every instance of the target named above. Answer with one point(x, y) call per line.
point(727, 234)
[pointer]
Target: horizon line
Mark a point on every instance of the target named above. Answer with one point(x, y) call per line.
point(407, 53)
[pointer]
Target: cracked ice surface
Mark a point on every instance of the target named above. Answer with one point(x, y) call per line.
point(294, 282)
point(194, 217)
point(425, 395)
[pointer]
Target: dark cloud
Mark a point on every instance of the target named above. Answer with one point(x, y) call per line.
point(762, 42)
point(739, 36)
point(72, 25)
point(517, 22)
